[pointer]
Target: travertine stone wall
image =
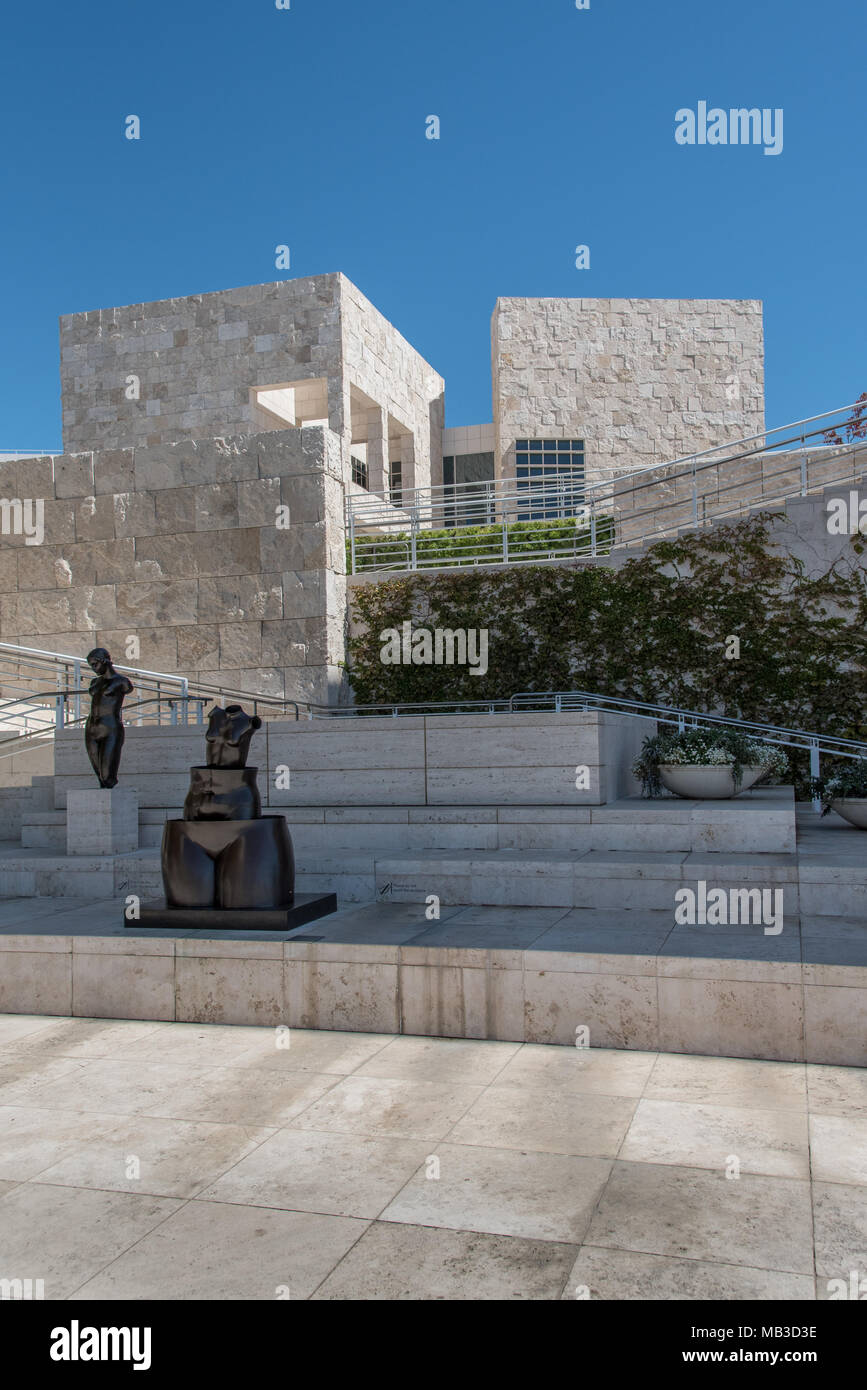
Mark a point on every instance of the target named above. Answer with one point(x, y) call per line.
point(521, 759)
point(380, 362)
point(178, 544)
point(199, 358)
point(639, 380)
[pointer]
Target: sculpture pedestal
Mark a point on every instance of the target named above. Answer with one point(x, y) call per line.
point(102, 821)
point(306, 907)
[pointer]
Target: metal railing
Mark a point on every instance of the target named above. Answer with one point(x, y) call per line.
point(33, 711)
point(527, 521)
point(817, 745)
point(564, 701)
point(527, 701)
point(13, 455)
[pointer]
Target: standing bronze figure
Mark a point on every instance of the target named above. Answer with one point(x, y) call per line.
point(103, 731)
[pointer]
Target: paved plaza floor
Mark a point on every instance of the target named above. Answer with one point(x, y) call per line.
point(175, 1161)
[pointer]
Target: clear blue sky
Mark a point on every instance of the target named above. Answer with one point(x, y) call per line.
point(307, 127)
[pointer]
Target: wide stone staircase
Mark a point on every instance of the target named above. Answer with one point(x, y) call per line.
point(631, 855)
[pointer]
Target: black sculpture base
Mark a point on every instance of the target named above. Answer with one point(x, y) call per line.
point(234, 865)
point(307, 907)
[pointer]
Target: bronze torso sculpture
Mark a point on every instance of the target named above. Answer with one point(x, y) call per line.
point(225, 854)
point(103, 731)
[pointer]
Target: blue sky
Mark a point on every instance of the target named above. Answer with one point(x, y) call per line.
point(307, 127)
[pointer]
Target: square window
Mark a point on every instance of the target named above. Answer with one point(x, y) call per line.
point(536, 446)
point(521, 444)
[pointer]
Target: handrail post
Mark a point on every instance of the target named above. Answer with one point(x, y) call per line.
point(351, 538)
point(803, 466)
point(815, 771)
point(694, 493)
point(185, 691)
point(505, 526)
point(76, 685)
point(413, 533)
point(593, 527)
point(58, 707)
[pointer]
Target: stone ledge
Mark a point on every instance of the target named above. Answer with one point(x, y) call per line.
point(743, 1002)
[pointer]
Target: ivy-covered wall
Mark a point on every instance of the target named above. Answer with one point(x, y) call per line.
point(659, 628)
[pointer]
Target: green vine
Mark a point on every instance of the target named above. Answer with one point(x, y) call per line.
point(655, 629)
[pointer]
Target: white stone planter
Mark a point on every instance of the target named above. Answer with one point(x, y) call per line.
point(853, 809)
point(705, 781)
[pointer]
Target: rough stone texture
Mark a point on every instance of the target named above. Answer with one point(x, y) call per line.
point(189, 559)
point(199, 358)
point(639, 380)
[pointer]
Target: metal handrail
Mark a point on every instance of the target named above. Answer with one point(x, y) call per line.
point(14, 455)
point(450, 488)
point(611, 511)
point(560, 701)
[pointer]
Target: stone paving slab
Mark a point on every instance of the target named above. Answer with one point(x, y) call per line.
point(339, 1165)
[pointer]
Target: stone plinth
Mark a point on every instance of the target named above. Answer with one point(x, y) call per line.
point(102, 821)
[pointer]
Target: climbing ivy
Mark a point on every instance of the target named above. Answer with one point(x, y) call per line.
point(656, 629)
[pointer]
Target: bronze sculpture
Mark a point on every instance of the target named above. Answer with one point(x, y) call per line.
point(225, 854)
point(225, 865)
point(103, 730)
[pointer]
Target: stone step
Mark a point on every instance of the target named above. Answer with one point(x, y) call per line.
point(597, 879)
point(763, 821)
point(44, 830)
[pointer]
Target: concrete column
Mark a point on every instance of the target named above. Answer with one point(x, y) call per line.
point(408, 456)
point(377, 449)
point(340, 418)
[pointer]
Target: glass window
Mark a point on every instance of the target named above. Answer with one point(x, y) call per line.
point(553, 470)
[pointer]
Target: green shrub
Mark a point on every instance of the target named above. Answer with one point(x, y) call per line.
point(717, 747)
point(468, 545)
point(848, 780)
point(656, 629)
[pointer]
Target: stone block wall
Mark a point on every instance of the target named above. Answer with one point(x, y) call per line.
point(523, 759)
point(639, 380)
point(178, 544)
point(199, 359)
point(382, 364)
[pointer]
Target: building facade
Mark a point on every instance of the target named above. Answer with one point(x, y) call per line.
point(197, 515)
point(290, 354)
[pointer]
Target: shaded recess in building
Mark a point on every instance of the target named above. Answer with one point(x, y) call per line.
point(473, 473)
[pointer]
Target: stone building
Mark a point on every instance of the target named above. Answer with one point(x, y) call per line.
point(211, 443)
point(265, 357)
